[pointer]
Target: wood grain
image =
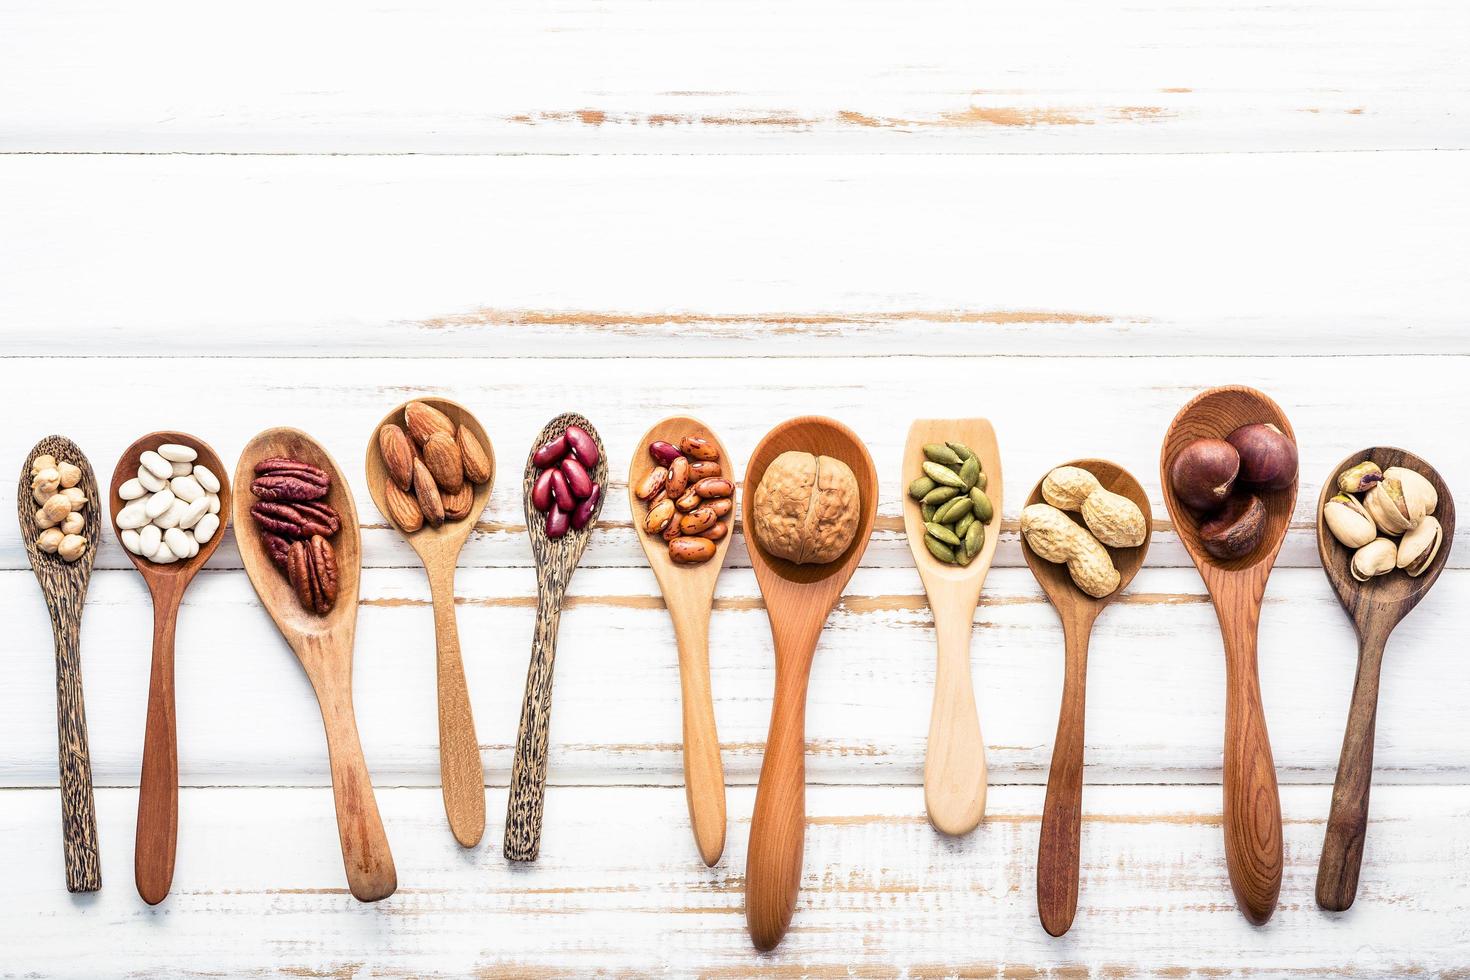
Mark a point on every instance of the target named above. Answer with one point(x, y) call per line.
point(64, 587)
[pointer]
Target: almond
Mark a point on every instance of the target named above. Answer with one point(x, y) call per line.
point(427, 494)
point(441, 456)
point(403, 510)
point(398, 454)
point(477, 466)
point(457, 504)
point(425, 420)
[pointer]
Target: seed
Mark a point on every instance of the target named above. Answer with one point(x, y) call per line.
point(938, 452)
point(961, 450)
point(920, 487)
point(939, 550)
point(970, 472)
point(942, 475)
point(983, 511)
point(974, 539)
point(981, 481)
point(963, 524)
point(928, 511)
point(943, 534)
point(941, 495)
point(953, 511)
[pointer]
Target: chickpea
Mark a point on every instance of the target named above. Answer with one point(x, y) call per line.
point(56, 508)
point(71, 547)
point(70, 475)
point(77, 496)
point(73, 523)
point(45, 461)
point(49, 540)
point(44, 522)
point(47, 481)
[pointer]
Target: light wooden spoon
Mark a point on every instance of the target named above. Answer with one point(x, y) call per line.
point(1375, 607)
point(461, 770)
point(1237, 588)
point(798, 600)
point(64, 586)
point(158, 786)
point(689, 592)
point(955, 774)
point(556, 560)
point(323, 644)
point(1059, 853)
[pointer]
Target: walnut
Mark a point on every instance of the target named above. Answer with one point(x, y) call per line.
point(807, 508)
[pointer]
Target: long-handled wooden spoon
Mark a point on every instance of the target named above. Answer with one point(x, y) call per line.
point(556, 560)
point(798, 601)
point(955, 775)
point(1375, 607)
point(158, 785)
point(460, 768)
point(1059, 855)
point(689, 592)
point(323, 644)
point(64, 585)
point(1237, 588)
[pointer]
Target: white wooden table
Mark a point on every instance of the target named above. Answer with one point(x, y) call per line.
point(1066, 215)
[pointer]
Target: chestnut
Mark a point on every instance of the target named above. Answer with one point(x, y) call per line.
point(1267, 456)
point(1203, 474)
point(1236, 531)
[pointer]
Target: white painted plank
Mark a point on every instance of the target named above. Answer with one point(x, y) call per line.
point(614, 257)
point(744, 76)
point(619, 889)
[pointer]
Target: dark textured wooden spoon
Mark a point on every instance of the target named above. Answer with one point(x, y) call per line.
point(1375, 607)
point(556, 560)
point(64, 584)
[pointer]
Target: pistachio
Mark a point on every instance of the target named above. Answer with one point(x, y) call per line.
point(1360, 478)
point(1349, 521)
point(1388, 508)
point(1377, 557)
point(1417, 489)
point(1419, 546)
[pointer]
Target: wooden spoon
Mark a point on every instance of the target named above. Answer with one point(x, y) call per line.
point(689, 592)
point(158, 785)
point(1375, 607)
point(798, 600)
point(323, 644)
point(64, 584)
point(556, 560)
point(460, 769)
point(955, 774)
point(1058, 857)
point(1252, 802)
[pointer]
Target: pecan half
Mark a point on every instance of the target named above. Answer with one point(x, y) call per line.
point(311, 568)
point(277, 547)
point(296, 519)
point(287, 479)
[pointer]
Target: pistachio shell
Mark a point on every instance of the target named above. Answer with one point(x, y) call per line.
point(1417, 488)
point(1360, 478)
point(1419, 546)
point(1349, 521)
point(1388, 508)
point(1377, 557)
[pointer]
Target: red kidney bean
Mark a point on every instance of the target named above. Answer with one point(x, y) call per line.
point(541, 491)
point(562, 492)
point(576, 476)
point(665, 453)
point(583, 445)
point(556, 523)
point(551, 452)
point(584, 510)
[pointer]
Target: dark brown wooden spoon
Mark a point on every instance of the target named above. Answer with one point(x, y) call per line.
point(1375, 608)
point(1237, 588)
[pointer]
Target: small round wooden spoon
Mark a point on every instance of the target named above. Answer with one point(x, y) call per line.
point(323, 644)
point(955, 774)
point(798, 600)
point(1059, 855)
point(689, 592)
point(556, 560)
point(461, 770)
point(64, 586)
point(1375, 607)
point(1237, 588)
point(158, 786)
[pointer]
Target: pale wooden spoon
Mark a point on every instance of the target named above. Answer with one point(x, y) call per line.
point(1058, 856)
point(461, 770)
point(323, 644)
point(1375, 607)
point(798, 600)
point(64, 586)
point(1237, 588)
point(158, 786)
point(689, 592)
point(955, 774)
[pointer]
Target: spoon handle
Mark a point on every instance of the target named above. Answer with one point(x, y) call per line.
point(778, 823)
point(365, 853)
point(1347, 824)
point(955, 775)
point(74, 761)
point(461, 770)
point(1058, 856)
point(1252, 802)
point(524, 810)
point(704, 773)
point(158, 786)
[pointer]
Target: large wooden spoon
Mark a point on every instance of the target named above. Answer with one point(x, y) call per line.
point(461, 771)
point(158, 785)
point(1059, 855)
point(955, 774)
point(689, 592)
point(798, 601)
point(323, 644)
point(64, 585)
point(1375, 607)
point(556, 560)
point(1252, 801)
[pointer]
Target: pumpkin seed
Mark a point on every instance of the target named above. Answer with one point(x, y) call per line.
point(970, 472)
point(954, 510)
point(938, 452)
point(963, 524)
point(943, 534)
point(983, 511)
point(928, 511)
point(981, 481)
point(974, 539)
point(939, 550)
point(941, 495)
point(961, 450)
point(942, 475)
point(920, 487)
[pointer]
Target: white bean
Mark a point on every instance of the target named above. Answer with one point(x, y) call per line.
point(192, 513)
point(175, 453)
point(214, 503)
point(163, 556)
point(134, 515)
point(156, 464)
point(151, 483)
point(178, 542)
point(159, 503)
point(148, 540)
point(183, 469)
point(205, 529)
point(186, 488)
point(170, 517)
point(131, 541)
point(132, 490)
point(206, 479)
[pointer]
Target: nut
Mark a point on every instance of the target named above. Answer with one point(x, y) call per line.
point(477, 465)
point(1113, 519)
point(424, 420)
point(1390, 510)
point(1203, 474)
point(1066, 487)
point(441, 457)
point(1378, 557)
point(426, 492)
point(807, 507)
point(1349, 521)
point(1360, 478)
point(289, 479)
point(311, 568)
point(1418, 491)
point(458, 503)
point(1267, 456)
point(1418, 547)
point(1056, 538)
point(296, 519)
point(1237, 530)
point(397, 454)
point(403, 510)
